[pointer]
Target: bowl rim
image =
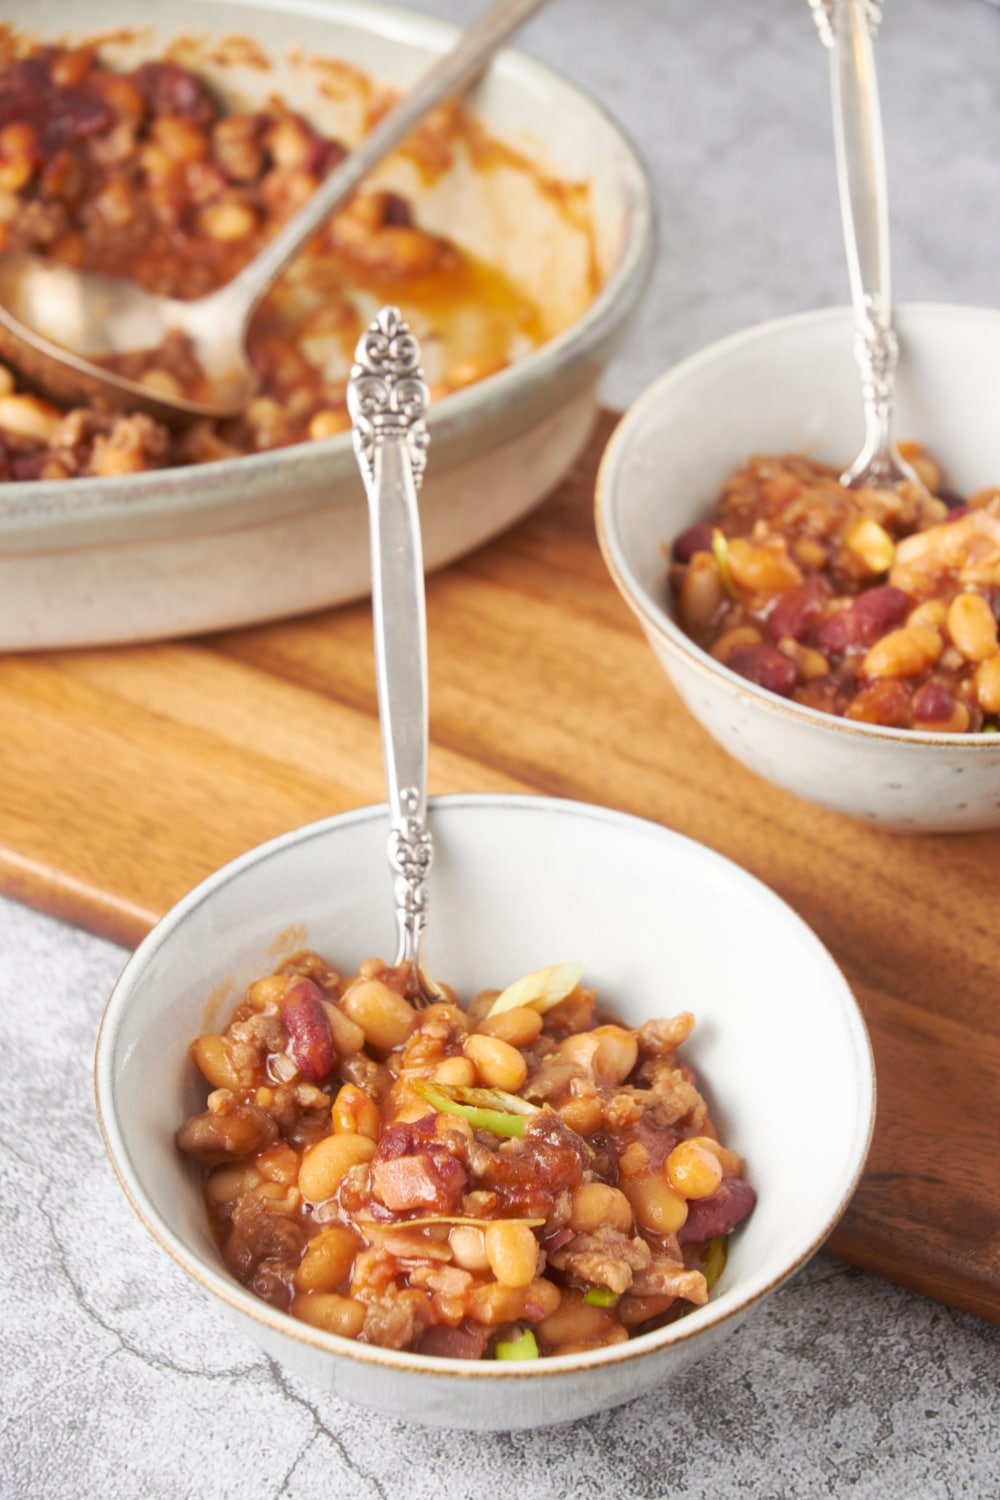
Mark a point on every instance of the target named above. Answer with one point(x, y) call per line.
point(657, 621)
point(731, 1304)
point(134, 499)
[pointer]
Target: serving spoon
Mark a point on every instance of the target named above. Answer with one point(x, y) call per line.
point(57, 321)
point(847, 28)
point(387, 398)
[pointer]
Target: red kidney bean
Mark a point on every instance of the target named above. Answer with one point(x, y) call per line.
point(766, 667)
point(467, 1341)
point(399, 215)
point(719, 1214)
point(28, 76)
point(797, 610)
point(72, 119)
point(697, 538)
point(837, 633)
point(59, 119)
point(882, 608)
point(171, 90)
point(324, 155)
point(310, 1041)
point(933, 704)
point(27, 465)
point(867, 618)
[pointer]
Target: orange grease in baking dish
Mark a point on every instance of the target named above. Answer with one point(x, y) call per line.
point(136, 166)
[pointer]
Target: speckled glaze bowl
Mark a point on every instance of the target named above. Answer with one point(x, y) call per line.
point(792, 386)
point(518, 882)
point(173, 552)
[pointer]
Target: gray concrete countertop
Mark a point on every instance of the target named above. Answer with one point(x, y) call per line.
point(120, 1381)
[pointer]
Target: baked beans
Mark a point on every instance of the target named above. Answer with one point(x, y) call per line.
point(143, 174)
point(878, 605)
point(459, 1184)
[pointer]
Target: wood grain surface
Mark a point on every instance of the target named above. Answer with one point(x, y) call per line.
point(128, 774)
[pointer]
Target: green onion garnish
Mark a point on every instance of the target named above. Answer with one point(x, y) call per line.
point(601, 1296)
point(485, 1109)
point(720, 551)
point(523, 1348)
point(716, 1254)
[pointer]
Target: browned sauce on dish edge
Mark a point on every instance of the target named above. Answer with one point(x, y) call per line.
point(146, 172)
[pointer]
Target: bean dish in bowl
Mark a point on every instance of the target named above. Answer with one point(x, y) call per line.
point(514, 1179)
point(416, 1194)
point(880, 605)
point(514, 231)
point(145, 172)
point(840, 643)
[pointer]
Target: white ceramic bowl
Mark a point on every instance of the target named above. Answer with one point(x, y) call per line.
point(792, 386)
point(93, 561)
point(518, 882)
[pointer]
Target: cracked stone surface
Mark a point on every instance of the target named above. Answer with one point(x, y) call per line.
point(120, 1381)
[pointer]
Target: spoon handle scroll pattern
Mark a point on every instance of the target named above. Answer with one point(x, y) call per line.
point(387, 398)
point(847, 28)
point(823, 15)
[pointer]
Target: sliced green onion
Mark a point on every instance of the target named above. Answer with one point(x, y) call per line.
point(720, 551)
point(601, 1296)
point(511, 1104)
point(716, 1255)
point(485, 1109)
point(540, 990)
point(523, 1348)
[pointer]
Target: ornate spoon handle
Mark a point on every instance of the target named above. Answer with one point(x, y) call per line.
point(847, 28)
point(823, 16)
point(387, 398)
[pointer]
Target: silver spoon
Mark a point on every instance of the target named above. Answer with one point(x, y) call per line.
point(56, 321)
point(848, 27)
point(387, 398)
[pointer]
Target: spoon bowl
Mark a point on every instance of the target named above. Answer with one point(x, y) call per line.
point(58, 325)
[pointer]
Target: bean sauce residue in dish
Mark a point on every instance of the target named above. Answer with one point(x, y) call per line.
point(512, 1180)
point(145, 174)
point(876, 605)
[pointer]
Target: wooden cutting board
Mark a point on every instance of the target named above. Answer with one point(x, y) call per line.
point(128, 774)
